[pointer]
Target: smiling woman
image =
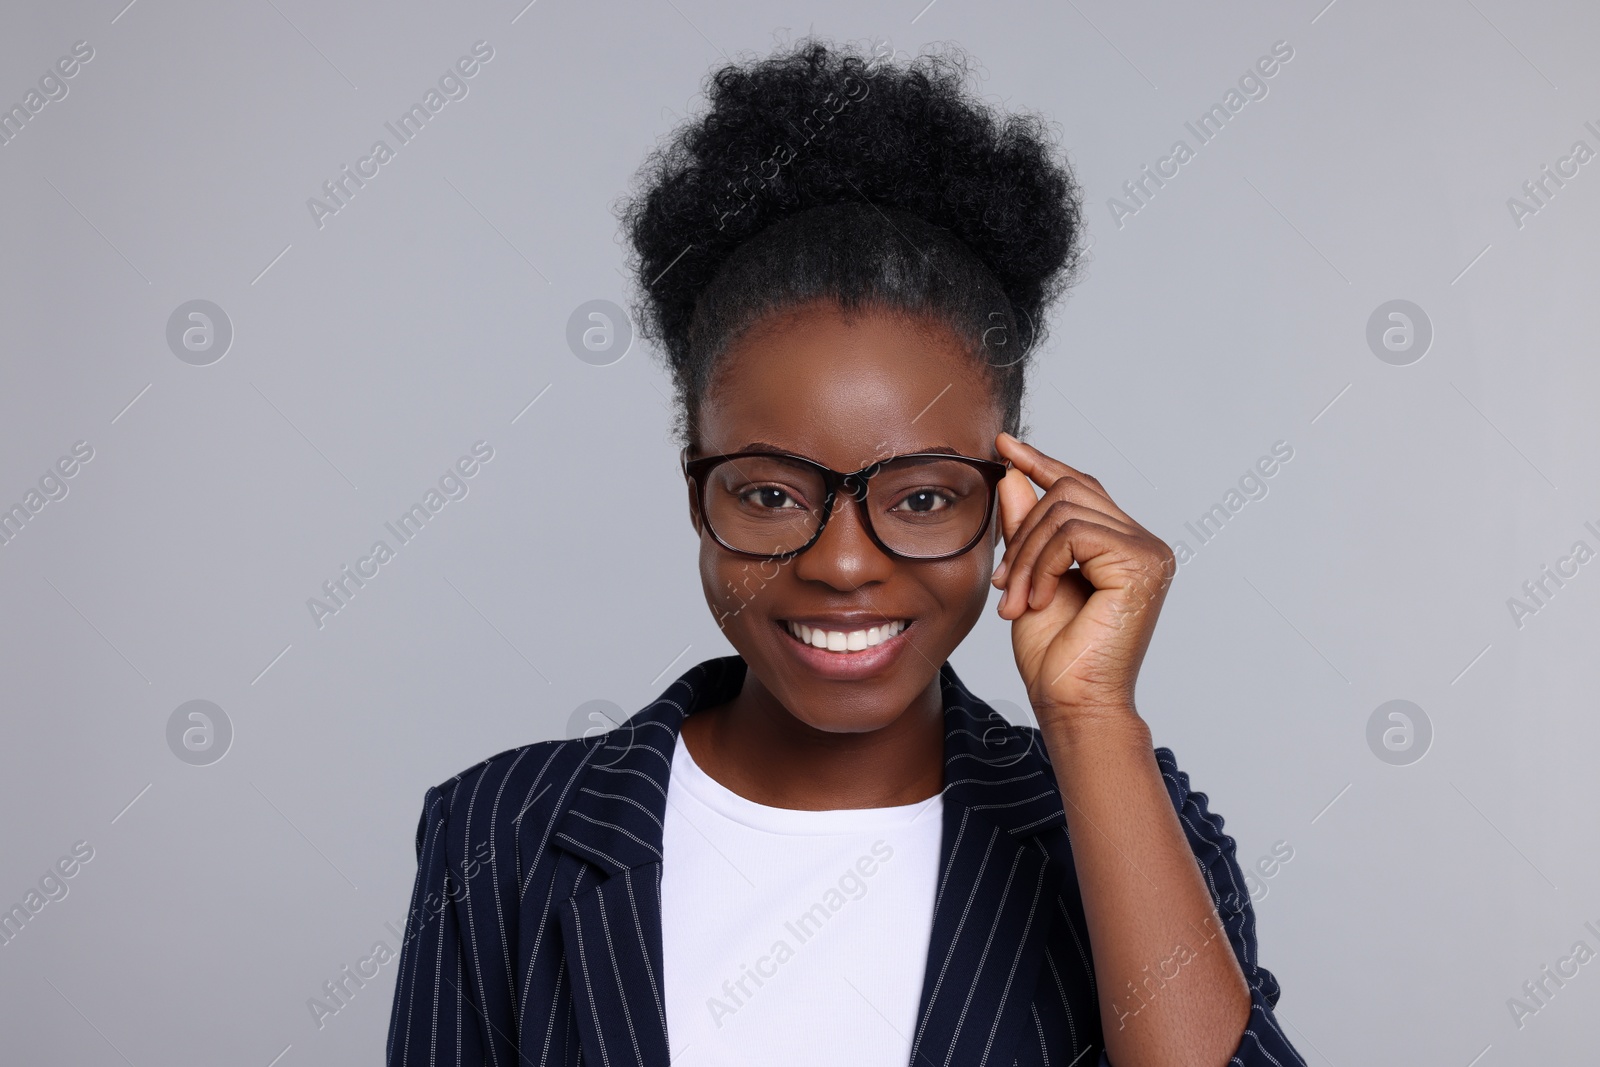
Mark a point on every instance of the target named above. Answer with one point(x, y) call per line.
point(849, 350)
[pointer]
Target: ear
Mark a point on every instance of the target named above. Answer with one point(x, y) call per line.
point(694, 508)
point(694, 496)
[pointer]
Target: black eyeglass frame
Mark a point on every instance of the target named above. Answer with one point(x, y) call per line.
point(855, 483)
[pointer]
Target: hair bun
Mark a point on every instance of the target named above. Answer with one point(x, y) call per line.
point(817, 124)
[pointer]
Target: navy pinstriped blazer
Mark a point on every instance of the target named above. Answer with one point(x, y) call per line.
point(534, 932)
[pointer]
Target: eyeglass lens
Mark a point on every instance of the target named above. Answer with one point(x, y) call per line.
point(917, 506)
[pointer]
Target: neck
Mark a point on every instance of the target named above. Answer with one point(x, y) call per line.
point(756, 747)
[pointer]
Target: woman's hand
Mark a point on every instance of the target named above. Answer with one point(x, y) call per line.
point(1079, 632)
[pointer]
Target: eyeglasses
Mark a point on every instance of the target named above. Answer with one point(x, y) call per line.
point(775, 505)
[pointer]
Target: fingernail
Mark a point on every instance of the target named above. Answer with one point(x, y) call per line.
point(999, 572)
point(1000, 609)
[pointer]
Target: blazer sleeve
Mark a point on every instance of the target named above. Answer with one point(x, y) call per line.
point(1263, 1043)
point(437, 1019)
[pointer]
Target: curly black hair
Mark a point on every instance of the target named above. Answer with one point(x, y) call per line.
point(820, 171)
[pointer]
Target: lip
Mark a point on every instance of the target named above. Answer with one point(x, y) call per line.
point(845, 666)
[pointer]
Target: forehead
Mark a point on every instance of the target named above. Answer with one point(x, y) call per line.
point(846, 390)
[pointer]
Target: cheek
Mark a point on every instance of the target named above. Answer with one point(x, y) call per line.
point(962, 588)
point(712, 579)
point(732, 584)
point(981, 563)
point(983, 558)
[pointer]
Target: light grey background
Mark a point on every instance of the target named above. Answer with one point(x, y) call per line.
point(369, 354)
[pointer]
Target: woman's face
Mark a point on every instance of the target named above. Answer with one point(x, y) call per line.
point(847, 393)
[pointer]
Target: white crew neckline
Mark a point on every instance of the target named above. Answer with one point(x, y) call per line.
point(707, 792)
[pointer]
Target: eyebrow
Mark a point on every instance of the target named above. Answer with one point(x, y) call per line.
point(763, 446)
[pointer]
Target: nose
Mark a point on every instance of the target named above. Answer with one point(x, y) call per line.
point(845, 556)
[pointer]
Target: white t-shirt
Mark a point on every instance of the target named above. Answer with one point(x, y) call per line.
point(792, 937)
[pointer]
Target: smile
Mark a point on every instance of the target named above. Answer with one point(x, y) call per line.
point(844, 641)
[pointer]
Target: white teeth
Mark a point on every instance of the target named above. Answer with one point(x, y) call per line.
point(844, 641)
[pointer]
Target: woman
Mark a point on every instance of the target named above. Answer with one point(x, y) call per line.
point(824, 849)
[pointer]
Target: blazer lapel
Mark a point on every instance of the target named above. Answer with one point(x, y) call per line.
point(611, 928)
point(992, 911)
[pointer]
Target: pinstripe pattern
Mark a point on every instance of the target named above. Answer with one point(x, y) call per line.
point(534, 931)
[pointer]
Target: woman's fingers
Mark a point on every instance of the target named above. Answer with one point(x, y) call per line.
point(1059, 481)
point(1065, 533)
point(1017, 498)
point(1066, 490)
point(1030, 515)
point(1029, 523)
point(1047, 470)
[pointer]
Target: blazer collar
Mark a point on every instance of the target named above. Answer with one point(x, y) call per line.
point(990, 767)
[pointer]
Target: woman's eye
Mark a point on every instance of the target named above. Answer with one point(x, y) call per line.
point(768, 496)
point(923, 501)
